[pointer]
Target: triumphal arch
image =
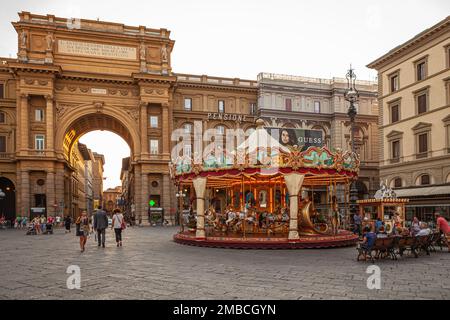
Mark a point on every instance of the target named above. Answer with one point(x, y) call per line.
point(88, 75)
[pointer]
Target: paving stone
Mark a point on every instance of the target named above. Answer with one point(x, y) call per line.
point(152, 266)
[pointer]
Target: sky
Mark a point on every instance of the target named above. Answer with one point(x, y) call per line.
point(241, 38)
point(114, 151)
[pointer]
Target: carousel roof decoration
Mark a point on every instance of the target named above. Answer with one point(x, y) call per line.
point(263, 156)
point(384, 195)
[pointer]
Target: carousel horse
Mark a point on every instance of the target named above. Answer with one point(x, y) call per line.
point(231, 220)
point(278, 222)
point(335, 218)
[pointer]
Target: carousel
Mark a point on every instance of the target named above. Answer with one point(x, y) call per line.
point(260, 196)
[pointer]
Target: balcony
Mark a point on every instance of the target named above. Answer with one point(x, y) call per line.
point(6, 156)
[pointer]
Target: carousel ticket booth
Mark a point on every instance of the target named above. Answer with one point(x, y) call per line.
point(252, 198)
point(384, 209)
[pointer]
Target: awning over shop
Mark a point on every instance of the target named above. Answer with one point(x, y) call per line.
point(423, 192)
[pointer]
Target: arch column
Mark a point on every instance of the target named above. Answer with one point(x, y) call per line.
point(24, 183)
point(51, 197)
point(144, 135)
point(200, 188)
point(23, 127)
point(49, 123)
point(166, 130)
point(59, 189)
point(294, 182)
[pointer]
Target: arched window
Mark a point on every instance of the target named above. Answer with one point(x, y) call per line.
point(2, 117)
point(425, 180)
point(397, 182)
point(220, 129)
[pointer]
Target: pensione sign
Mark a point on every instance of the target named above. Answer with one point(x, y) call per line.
point(228, 117)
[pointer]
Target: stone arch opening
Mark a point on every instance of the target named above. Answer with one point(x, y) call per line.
point(8, 201)
point(70, 129)
point(93, 122)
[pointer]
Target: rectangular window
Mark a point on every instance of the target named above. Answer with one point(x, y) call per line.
point(288, 104)
point(39, 142)
point(396, 149)
point(316, 106)
point(2, 117)
point(252, 108)
point(39, 115)
point(220, 130)
point(422, 103)
point(423, 143)
point(153, 121)
point(420, 69)
point(187, 104)
point(394, 82)
point(395, 114)
point(2, 87)
point(221, 106)
point(448, 56)
point(447, 129)
point(187, 128)
point(2, 143)
point(154, 147)
point(187, 151)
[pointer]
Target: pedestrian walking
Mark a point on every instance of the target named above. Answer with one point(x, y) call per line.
point(67, 223)
point(83, 229)
point(357, 221)
point(43, 222)
point(100, 225)
point(118, 224)
point(444, 229)
point(18, 223)
point(24, 222)
point(37, 224)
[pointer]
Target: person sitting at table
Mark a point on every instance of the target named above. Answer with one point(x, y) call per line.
point(369, 238)
point(381, 233)
point(378, 225)
point(403, 232)
point(424, 230)
point(415, 226)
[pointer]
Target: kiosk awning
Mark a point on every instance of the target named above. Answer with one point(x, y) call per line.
point(421, 192)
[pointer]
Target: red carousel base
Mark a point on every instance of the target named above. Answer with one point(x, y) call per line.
point(342, 239)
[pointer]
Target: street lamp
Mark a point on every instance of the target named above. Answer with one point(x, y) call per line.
point(352, 96)
point(180, 195)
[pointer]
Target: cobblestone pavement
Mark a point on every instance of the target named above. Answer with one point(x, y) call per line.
point(152, 266)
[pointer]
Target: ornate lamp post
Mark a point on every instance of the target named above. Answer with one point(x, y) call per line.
point(352, 96)
point(180, 195)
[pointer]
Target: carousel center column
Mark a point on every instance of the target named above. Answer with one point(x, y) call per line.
point(200, 188)
point(294, 182)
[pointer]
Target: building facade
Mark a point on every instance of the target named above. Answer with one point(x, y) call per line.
point(97, 170)
point(76, 76)
point(414, 99)
point(318, 104)
point(111, 198)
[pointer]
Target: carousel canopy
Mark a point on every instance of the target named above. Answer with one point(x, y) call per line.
point(263, 159)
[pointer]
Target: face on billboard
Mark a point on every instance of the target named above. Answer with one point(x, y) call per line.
point(300, 137)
